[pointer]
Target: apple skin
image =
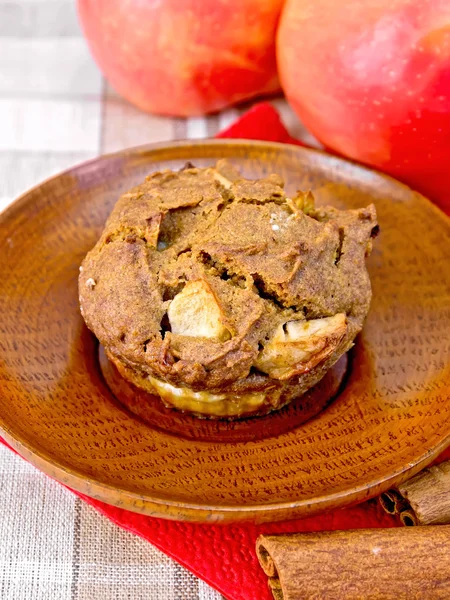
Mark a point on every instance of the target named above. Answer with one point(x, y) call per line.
point(371, 80)
point(184, 57)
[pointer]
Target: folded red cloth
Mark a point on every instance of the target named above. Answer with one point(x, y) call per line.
point(261, 122)
point(224, 555)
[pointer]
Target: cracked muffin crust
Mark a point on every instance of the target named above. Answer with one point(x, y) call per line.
point(223, 295)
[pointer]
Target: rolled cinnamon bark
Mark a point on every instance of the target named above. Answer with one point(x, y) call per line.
point(367, 563)
point(392, 502)
point(408, 518)
point(422, 500)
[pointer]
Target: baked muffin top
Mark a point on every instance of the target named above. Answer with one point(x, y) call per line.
point(208, 280)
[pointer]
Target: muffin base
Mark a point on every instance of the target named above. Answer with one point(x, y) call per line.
point(151, 409)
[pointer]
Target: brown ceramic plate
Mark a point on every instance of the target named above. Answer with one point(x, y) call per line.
point(389, 419)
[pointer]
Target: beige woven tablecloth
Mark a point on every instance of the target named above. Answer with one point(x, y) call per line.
point(55, 111)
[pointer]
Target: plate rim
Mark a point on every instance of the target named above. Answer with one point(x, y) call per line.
point(163, 507)
point(154, 507)
point(142, 148)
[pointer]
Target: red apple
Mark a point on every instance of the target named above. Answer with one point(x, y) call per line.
point(371, 80)
point(184, 57)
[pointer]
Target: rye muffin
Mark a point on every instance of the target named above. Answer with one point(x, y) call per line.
point(222, 295)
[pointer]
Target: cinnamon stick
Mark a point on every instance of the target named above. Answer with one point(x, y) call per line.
point(392, 502)
point(422, 500)
point(367, 563)
point(408, 518)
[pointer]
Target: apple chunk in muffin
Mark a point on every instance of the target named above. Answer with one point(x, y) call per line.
point(195, 312)
point(298, 346)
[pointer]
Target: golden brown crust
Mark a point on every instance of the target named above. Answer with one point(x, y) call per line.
point(261, 262)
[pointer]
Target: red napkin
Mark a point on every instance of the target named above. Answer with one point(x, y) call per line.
point(224, 555)
point(262, 122)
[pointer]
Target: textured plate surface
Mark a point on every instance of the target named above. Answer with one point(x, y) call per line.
point(389, 420)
